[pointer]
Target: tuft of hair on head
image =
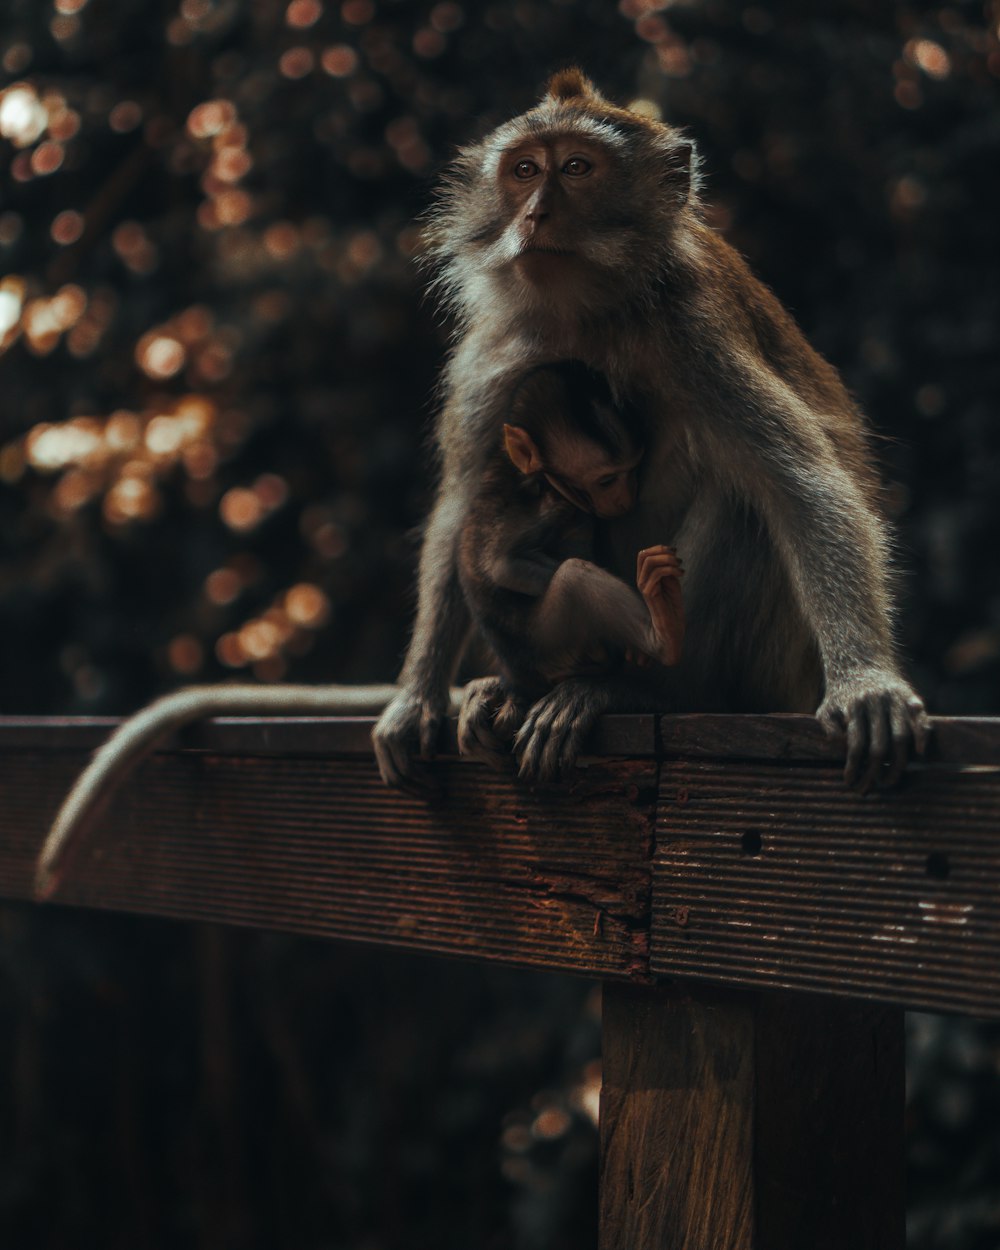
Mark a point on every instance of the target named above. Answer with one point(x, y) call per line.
point(571, 84)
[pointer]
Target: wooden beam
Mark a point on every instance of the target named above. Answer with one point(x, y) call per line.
point(275, 835)
point(736, 1121)
point(715, 848)
point(771, 873)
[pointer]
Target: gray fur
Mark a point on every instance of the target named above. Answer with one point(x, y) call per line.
point(758, 468)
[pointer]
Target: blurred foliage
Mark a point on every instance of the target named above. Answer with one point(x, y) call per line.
point(218, 381)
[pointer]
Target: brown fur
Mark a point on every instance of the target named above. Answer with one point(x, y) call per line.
point(526, 555)
point(758, 466)
point(758, 469)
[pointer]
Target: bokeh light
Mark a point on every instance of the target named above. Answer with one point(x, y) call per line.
point(23, 117)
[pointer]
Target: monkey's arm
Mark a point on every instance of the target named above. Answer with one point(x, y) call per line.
point(411, 722)
point(138, 735)
point(834, 548)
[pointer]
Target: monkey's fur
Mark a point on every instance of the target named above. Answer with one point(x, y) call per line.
point(575, 232)
point(758, 467)
point(526, 553)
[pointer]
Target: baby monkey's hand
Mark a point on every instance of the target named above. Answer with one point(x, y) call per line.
point(658, 575)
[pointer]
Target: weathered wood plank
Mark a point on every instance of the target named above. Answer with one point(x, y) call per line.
point(960, 741)
point(736, 1121)
point(553, 877)
point(777, 875)
point(632, 736)
point(768, 871)
point(676, 1123)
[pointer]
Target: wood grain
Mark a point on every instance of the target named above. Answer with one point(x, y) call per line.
point(767, 871)
point(775, 875)
point(676, 1122)
point(737, 1121)
point(552, 877)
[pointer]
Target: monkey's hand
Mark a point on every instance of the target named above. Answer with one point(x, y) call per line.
point(658, 575)
point(883, 720)
point(408, 729)
point(554, 731)
point(491, 715)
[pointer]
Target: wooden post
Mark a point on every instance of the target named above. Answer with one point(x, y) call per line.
point(750, 1121)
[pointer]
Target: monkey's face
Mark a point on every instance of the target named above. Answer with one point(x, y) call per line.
point(571, 207)
point(588, 476)
point(555, 192)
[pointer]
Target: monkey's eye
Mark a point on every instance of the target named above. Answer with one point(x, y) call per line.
point(576, 167)
point(610, 480)
point(525, 169)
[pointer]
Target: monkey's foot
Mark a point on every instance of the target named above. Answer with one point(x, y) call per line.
point(553, 733)
point(883, 721)
point(490, 717)
point(408, 729)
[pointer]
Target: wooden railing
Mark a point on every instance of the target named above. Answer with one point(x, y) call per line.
point(757, 926)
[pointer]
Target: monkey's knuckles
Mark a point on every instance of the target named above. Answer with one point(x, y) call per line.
point(406, 730)
point(549, 741)
point(883, 724)
point(477, 739)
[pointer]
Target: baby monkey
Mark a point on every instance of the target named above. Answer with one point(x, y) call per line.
point(569, 456)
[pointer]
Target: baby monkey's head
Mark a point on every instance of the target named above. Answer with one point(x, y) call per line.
point(564, 423)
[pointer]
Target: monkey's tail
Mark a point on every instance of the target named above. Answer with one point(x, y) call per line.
point(138, 735)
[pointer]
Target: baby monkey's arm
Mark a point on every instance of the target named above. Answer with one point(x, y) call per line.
point(658, 575)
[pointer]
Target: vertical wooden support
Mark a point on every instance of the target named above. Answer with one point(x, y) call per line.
point(744, 1121)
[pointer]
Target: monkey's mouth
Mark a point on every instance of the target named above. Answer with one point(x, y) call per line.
point(545, 250)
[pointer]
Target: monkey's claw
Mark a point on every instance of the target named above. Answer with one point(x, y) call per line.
point(487, 722)
point(406, 731)
point(883, 722)
point(554, 731)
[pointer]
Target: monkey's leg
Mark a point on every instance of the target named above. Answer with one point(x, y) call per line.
point(409, 726)
point(586, 611)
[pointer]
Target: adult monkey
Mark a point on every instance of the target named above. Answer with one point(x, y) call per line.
point(574, 232)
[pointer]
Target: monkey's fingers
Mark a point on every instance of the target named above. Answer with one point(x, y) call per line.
point(665, 604)
point(879, 742)
point(920, 723)
point(407, 727)
point(902, 744)
point(478, 735)
point(910, 727)
point(657, 572)
point(656, 550)
point(554, 730)
point(857, 745)
point(656, 557)
point(529, 745)
point(883, 722)
point(508, 719)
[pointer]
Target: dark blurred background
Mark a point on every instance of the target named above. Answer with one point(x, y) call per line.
point(217, 373)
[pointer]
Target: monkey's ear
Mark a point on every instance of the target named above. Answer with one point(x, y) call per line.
point(571, 84)
point(522, 449)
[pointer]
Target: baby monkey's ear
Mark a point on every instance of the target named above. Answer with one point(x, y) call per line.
point(522, 449)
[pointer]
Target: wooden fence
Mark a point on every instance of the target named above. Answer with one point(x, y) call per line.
point(758, 928)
